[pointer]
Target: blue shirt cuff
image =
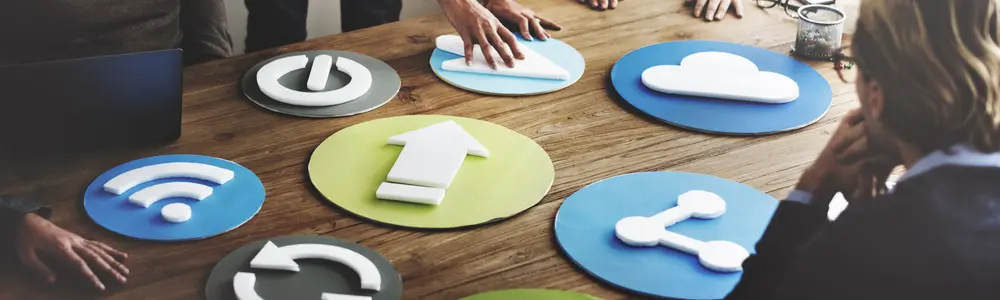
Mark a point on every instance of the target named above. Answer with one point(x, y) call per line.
point(800, 197)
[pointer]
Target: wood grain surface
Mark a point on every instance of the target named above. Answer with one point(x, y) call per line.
point(588, 133)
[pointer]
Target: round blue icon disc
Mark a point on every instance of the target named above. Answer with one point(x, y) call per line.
point(230, 205)
point(557, 51)
point(716, 115)
point(585, 224)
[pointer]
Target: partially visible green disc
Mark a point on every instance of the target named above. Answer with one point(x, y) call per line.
point(530, 294)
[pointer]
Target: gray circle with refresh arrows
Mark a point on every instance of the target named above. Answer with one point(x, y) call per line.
point(314, 278)
point(385, 85)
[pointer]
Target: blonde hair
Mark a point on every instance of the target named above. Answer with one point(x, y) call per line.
point(938, 65)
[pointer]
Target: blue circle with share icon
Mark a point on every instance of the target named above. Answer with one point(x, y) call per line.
point(157, 198)
point(716, 115)
point(585, 229)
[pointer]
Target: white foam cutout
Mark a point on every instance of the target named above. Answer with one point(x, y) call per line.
point(328, 296)
point(719, 256)
point(320, 72)
point(283, 258)
point(243, 285)
point(721, 75)
point(268, 75)
point(410, 193)
point(427, 165)
point(533, 65)
point(444, 132)
point(125, 181)
point(176, 212)
point(147, 196)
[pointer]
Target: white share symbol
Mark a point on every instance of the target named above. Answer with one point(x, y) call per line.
point(719, 256)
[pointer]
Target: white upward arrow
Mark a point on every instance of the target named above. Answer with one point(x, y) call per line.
point(430, 159)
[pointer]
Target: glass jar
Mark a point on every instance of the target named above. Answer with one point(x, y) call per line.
point(821, 29)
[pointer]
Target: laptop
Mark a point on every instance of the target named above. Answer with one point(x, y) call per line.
point(88, 104)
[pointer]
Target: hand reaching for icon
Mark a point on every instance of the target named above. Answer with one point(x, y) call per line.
point(715, 10)
point(35, 236)
point(477, 25)
point(601, 4)
point(525, 18)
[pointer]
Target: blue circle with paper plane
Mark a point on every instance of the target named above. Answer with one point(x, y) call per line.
point(555, 50)
point(717, 115)
point(584, 229)
point(230, 205)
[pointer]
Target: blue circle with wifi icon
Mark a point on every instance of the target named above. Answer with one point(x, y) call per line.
point(174, 197)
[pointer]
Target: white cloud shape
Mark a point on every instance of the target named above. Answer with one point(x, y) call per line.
point(721, 75)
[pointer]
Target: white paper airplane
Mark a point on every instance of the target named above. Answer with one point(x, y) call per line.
point(533, 65)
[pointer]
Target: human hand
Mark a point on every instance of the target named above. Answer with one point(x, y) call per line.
point(36, 235)
point(525, 18)
point(601, 4)
point(476, 25)
point(715, 9)
point(846, 165)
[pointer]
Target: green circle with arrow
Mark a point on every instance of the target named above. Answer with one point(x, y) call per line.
point(454, 172)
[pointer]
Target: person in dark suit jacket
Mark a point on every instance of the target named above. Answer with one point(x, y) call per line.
point(928, 81)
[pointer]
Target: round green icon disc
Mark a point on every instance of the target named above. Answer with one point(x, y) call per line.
point(350, 165)
point(530, 294)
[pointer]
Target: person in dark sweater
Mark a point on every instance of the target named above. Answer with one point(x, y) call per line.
point(928, 81)
point(45, 30)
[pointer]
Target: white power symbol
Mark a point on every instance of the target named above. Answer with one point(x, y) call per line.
point(268, 75)
point(719, 256)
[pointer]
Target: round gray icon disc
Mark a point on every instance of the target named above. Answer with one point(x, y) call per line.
point(314, 278)
point(385, 85)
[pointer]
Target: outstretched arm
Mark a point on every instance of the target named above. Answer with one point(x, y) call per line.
point(477, 26)
point(34, 237)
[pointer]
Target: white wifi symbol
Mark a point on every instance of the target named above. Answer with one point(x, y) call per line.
point(174, 212)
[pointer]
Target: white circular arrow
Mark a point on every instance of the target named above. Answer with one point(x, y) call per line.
point(268, 75)
point(720, 256)
point(274, 258)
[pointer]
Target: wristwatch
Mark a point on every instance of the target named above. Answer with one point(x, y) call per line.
point(14, 208)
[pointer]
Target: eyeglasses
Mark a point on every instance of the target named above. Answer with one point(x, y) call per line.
point(844, 65)
point(790, 9)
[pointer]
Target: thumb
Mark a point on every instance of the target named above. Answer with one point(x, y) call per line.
point(30, 260)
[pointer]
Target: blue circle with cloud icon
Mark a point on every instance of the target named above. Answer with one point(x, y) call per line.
point(224, 206)
point(713, 115)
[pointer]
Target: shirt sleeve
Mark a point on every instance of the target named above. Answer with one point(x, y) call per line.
point(800, 196)
point(12, 209)
point(206, 34)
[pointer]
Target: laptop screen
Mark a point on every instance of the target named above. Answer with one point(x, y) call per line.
point(91, 103)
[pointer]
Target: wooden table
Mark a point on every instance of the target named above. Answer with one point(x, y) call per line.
point(587, 133)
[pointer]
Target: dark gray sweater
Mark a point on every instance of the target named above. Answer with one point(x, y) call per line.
point(42, 30)
point(936, 236)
